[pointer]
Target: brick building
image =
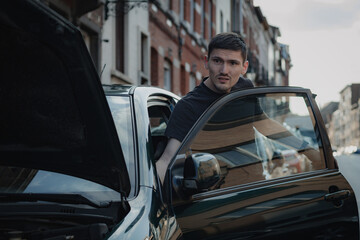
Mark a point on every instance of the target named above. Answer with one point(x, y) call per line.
point(179, 32)
point(163, 42)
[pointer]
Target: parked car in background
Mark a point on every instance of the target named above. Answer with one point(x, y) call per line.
point(77, 159)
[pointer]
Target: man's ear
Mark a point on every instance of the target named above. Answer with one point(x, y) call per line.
point(206, 62)
point(245, 67)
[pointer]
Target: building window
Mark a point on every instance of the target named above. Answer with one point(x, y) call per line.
point(236, 15)
point(181, 10)
point(192, 82)
point(183, 80)
point(192, 9)
point(154, 67)
point(143, 52)
point(166, 3)
point(120, 40)
point(210, 19)
point(144, 59)
point(203, 18)
point(221, 22)
point(167, 75)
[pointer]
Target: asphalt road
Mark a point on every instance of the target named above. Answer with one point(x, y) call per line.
point(349, 166)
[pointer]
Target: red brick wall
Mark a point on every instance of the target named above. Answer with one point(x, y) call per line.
point(175, 6)
point(197, 18)
point(164, 37)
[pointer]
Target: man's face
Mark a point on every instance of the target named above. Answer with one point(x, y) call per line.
point(225, 67)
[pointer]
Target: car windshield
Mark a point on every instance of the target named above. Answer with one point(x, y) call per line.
point(27, 180)
point(23, 180)
point(120, 110)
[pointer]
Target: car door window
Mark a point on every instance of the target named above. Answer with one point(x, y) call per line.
point(262, 137)
point(159, 117)
point(159, 111)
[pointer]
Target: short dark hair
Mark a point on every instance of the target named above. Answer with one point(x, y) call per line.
point(228, 40)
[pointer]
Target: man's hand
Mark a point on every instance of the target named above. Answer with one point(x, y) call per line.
point(169, 152)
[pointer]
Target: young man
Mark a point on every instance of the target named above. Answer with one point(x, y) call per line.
point(226, 63)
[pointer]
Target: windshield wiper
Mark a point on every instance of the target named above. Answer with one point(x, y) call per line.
point(51, 197)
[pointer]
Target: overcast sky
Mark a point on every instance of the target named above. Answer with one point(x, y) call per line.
point(324, 40)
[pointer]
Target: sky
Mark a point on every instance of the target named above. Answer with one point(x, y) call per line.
point(324, 41)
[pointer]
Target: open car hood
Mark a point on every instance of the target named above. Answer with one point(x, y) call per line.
point(54, 114)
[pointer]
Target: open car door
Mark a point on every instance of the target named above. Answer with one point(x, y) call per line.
point(258, 165)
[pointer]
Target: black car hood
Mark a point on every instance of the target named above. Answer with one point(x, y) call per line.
point(54, 114)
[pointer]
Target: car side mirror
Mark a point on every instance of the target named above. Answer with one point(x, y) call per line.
point(201, 172)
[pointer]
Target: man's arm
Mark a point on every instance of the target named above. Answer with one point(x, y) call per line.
point(169, 152)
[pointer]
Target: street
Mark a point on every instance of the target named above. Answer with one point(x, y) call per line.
point(349, 166)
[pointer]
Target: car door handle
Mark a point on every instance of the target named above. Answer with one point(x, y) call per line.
point(336, 196)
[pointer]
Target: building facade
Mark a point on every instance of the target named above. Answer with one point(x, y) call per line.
point(89, 17)
point(126, 43)
point(163, 42)
point(344, 129)
point(180, 31)
point(223, 16)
